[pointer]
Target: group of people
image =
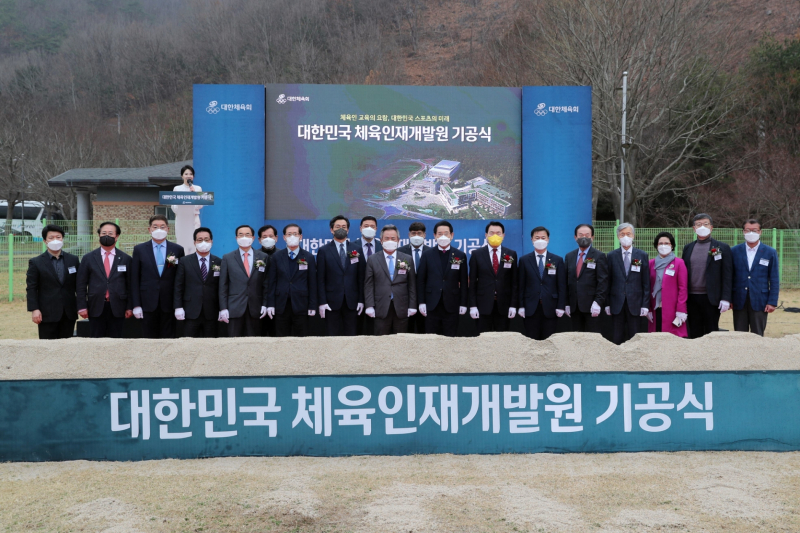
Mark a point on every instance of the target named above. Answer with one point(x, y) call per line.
point(372, 285)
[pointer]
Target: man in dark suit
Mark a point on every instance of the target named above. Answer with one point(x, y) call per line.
point(415, 248)
point(292, 286)
point(197, 288)
point(243, 286)
point(709, 267)
point(542, 287)
point(340, 281)
point(51, 287)
point(268, 237)
point(629, 280)
point(104, 285)
point(390, 286)
point(493, 282)
point(367, 245)
point(153, 269)
point(756, 282)
point(587, 281)
point(442, 283)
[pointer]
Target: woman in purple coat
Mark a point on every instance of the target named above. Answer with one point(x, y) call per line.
point(670, 288)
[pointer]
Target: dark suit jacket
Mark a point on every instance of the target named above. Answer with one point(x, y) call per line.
point(409, 250)
point(148, 289)
point(551, 289)
point(719, 273)
point(761, 281)
point(592, 285)
point(192, 293)
point(288, 282)
point(449, 286)
point(484, 284)
point(92, 284)
point(380, 289)
point(377, 247)
point(337, 286)
point(46, 293)
point(633, 286)
point(239, 293)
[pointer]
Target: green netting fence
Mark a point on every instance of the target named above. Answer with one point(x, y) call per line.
point(16, 251)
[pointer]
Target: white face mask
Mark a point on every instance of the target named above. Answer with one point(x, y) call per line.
point(389, 246)
point(540, 244)
point(752, 237)
point(702, 232)
point(203, 246)
point(664, 249)
point(55, 245)
point(626, 241)
point(443, 241)
point(368, 232)
point(293, 240)
point(268, 242)
point(416, 240)
point(159, 234)
point(244, 242)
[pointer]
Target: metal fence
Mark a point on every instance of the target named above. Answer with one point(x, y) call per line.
point(15, 252)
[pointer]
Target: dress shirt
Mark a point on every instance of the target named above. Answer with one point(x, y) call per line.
point(363, 247)
point(499, 254)
point(751, 254)
point(163, 250)
point(585, 254)
point(103, 254)
point(249, 258)
point(414, 250)
point(58, 264)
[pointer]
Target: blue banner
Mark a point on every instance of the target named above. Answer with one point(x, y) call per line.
point(142, 419)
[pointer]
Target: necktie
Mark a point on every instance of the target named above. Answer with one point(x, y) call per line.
point(495, 263)
point(203, 269)
point(246, 264)
point(416, 258)
point(627, 262)
point(159, 258)
point(580, 262)
point(60, 270)
point(541, 266)
point(391, 267)
point(291, 255)
point(107, 265)
point(342, 256)
point(369, 250)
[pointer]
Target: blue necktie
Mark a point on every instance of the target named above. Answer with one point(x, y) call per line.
point(391, 273)
point(416, 258)
point(342, 257)
point(159, 258)
point(541, 266)
point(291, 255)
point(203, 269)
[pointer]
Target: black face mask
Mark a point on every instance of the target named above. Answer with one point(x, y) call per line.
point(340, 233)
point(584, 242)
point(107, 240)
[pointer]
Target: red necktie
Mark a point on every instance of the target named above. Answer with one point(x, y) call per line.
point(580, 262)
point(107, 265)
point(495, 263)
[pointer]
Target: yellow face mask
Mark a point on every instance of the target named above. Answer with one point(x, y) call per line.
point(495, 240)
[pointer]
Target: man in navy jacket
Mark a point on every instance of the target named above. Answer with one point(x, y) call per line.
point(542, 287)
point(756, 282)
point(340, 281)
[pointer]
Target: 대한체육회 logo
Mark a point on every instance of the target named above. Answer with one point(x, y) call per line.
point(281, 99)
point(540, 110)
point(212, 108)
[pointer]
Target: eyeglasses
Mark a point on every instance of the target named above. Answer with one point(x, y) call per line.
point(701, 224)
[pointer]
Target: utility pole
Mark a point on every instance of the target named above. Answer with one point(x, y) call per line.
point(624, 142)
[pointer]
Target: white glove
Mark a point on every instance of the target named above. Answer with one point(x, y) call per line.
point(370, 312)
point(567, 311)
point(650, 317)
point(682, 316)
point(608, 310)
point(474, 313)
point(322, 309)
point(560, 312)
point(359, 308)
point(522, 312)
point(180, 314)
point(644, 311)
point(462, 310)
point(595, 309)
point(512, 312)
point(311, 312)
point(263, 311)
point(138, 313)
point(423, 309)
point(223, 316)
point(723, 306)
point(271, 312)
point(412, 312)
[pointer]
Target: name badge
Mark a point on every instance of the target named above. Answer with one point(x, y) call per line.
point(354, 260)
point(635, 268)
point(401, 272)
point(764, 262)
point(591, 265)
point(216, 274)
point(261, 269)
point(506, 265)
point(670, 272)
point(72, 270)
point(552, 271)
point(455, 267)
point(717, 257)
point(122, 268)
point(176, 260)
point(303, 267)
